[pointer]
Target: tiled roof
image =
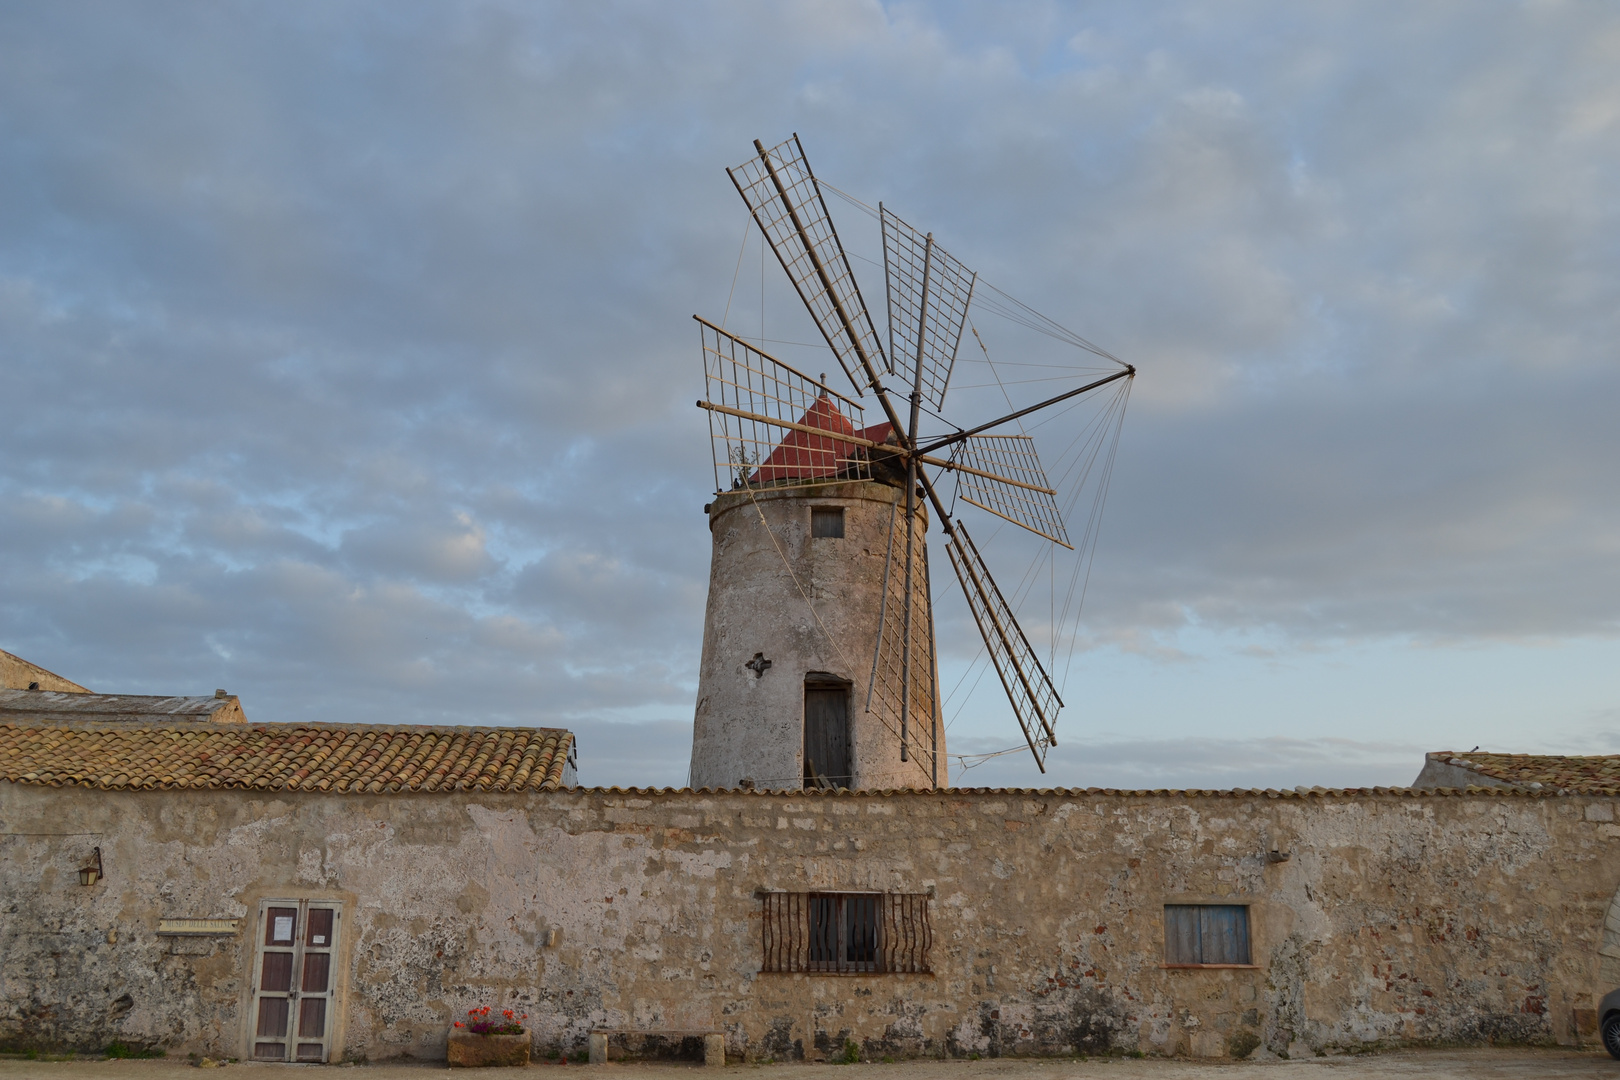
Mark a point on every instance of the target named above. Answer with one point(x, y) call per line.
point(285, 757)
point(1597, 774)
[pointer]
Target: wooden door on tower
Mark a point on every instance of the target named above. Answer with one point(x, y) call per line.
point(826, 737)
point(293, 980)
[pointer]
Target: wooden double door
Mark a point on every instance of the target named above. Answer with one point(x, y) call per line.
point(294, 980)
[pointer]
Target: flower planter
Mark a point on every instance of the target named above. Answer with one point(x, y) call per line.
point(475, 1051)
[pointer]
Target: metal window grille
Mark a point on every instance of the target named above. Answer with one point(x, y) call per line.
point(1198, 934)
point(846, 933)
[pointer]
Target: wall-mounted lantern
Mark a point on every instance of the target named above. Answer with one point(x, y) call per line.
point(91, 873)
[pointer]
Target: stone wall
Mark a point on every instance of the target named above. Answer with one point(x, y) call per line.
point(1394, 919)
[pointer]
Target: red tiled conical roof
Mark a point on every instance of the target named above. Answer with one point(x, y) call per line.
point(803, 456)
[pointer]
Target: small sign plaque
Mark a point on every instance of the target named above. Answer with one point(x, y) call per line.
point(195, 927)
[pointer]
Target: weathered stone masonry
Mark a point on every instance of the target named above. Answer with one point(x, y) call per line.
point(1397, 917)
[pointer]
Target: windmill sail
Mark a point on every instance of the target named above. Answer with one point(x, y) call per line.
point(1034, 700)
point(782, 194)
point(1002, 474)
point(928, 293)
point(771, 424)
point(887, 695)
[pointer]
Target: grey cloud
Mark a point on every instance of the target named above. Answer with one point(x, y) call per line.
point(451, 551)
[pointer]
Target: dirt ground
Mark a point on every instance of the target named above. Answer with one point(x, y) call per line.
point(1431, 1065)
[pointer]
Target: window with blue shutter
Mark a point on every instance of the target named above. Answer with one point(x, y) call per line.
point(1203, 934)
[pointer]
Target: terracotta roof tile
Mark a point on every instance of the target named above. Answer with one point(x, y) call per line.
point(285, 757)
point(1597, 774)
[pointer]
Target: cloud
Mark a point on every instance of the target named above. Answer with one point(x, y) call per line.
point(452, 551)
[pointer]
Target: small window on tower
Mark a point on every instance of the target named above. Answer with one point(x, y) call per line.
point(827, 521)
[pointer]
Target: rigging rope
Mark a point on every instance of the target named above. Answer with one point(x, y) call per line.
point(980, 759)
point(747, 228)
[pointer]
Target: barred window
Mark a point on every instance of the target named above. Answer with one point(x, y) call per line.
point(846, 933)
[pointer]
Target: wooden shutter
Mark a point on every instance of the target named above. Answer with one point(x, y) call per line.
point(1197, 934)
point(1181, 934)
point(293, 981)
point(1224, 930)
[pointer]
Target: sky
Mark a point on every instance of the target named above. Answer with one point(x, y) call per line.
point(346, 358)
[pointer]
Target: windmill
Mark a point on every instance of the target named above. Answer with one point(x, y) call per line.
point(782, 438)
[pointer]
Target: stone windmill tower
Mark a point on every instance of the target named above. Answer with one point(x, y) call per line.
point(798, 600)
point(819, 666)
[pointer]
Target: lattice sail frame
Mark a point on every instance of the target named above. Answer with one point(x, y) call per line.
point(1034, 700)
point(884, 696)
point(786, 203)
point(928, 294)
point(771, 425)
point(1028, 500)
